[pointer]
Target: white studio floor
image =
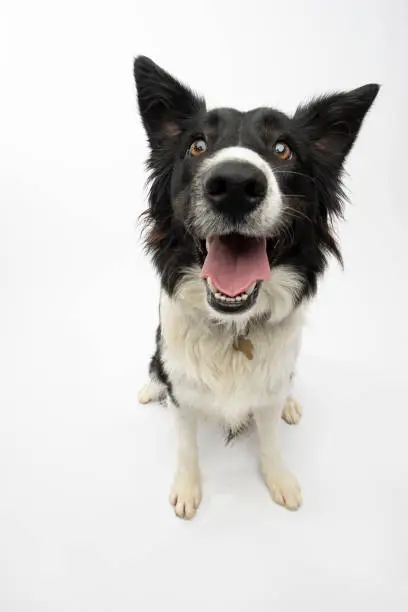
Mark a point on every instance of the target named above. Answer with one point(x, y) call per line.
point(84, 470)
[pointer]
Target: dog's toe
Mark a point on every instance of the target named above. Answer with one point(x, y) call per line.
point(292, 411)
point(151, 392)
point(284, 488)
point(185, 496)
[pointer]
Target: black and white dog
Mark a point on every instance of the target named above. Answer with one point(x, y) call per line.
point(240, 216)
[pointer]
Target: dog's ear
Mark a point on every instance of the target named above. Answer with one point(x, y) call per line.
point(332, 122)
point(165, 104)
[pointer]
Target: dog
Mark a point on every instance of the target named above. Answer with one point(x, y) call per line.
point(240, 226)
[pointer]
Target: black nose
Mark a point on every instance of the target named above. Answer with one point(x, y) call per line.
point(235, 188)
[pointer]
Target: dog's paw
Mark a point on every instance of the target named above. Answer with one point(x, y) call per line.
point(292, 411)
point(283, 487)
point(152, 392)
point(185, 496)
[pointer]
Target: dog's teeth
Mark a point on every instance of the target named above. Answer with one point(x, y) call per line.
point(232, 300)
point(251, 288)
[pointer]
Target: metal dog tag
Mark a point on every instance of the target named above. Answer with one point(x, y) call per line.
point(244, 345)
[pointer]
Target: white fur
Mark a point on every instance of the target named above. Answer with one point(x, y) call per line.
point(210, 378)
point(209, 375)
point(259, 222)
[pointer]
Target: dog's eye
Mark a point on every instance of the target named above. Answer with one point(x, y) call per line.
point(283, 150)
point(198, 147)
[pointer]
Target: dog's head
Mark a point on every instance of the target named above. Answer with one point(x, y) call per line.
point(242, 203)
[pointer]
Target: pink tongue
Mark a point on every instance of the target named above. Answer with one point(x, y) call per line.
point(234, 267)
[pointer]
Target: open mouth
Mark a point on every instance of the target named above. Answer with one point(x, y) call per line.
point(233, 270)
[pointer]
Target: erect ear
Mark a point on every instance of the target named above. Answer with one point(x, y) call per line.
point(332, 122)
point(165, 104)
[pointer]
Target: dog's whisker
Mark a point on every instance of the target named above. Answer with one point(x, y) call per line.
point(296, 212)
point(309, 178)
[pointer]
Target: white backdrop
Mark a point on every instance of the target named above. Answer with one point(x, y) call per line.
point(84, 470)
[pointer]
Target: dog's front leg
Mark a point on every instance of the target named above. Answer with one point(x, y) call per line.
point(281, 483)
point(185, 495)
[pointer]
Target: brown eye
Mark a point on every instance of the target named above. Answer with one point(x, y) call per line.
point(198, 147)
point(283, 151)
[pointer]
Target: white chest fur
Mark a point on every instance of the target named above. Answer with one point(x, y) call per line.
point(210, 375)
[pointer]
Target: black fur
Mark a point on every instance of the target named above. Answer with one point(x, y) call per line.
point(321, 134)
point(157, 370)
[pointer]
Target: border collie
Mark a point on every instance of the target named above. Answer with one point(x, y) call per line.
point(239, 228)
